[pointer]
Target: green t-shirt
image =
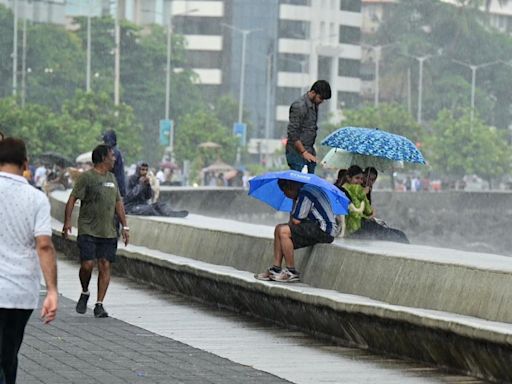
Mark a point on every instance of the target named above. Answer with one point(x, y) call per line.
point(98, 195)
point(357, 195)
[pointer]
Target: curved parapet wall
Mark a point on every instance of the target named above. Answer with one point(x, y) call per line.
point(473, 221)
point(466, 283)
point(441, 306)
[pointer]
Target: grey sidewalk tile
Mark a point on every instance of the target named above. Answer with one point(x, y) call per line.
point(82, 349)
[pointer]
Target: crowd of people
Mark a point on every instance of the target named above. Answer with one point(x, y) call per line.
point(312, 219)
point(106, 196)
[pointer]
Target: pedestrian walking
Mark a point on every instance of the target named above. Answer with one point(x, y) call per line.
point(26, 249)
point(100, 201)
point(302, 127)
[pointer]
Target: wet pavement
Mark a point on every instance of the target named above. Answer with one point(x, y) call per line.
point(157, 337)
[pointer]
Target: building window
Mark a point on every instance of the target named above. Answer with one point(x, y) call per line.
point(350, 35)
point(297, 2)
point(292, 29)
point(290, 62)
point(188, 25)
point(349, 68)
point(286, 95)
point(204, 59)
point(348, 99)
point(350, 5)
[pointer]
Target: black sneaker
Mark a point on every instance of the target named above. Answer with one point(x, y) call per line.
point(81, 306)
point(99, 311)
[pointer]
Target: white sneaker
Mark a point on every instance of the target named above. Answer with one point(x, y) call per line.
point(287, 277)
point(268, 275)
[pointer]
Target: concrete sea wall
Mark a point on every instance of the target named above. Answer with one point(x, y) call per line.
point(444, 307)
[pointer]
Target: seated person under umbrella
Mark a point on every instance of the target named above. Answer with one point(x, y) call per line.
point(138, 197)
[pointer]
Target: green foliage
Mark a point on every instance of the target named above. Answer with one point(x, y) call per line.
point(448, 33)
point(78, 128)
point(459, 146)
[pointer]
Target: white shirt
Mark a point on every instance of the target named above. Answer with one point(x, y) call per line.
point(40, 176)
point(24, 215)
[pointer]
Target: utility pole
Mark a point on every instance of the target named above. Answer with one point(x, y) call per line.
point(117, 53)
point(24, 57)
point(15, 50)
point(88, 59)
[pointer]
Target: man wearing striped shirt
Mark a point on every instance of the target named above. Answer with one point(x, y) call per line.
point(312, 221)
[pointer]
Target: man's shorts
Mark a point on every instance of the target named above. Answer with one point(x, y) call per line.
point(308, 233)
point(92, 248)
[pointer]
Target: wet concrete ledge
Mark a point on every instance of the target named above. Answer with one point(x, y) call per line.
point(447, 219)
point(337, 303)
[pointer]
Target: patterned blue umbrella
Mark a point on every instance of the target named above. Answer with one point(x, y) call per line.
point(375, 142)
point(266, 189)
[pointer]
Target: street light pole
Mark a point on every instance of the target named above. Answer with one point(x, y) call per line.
point(117, 53)
point(168, 71)
point(24, 57)
point(15, 49)
point(242, 77)
point(245, 33)
point(473, 69)
point(377, 49)
point(421, 61)
point(88, 59)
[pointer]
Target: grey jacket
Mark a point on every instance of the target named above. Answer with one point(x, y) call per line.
point(302, 125)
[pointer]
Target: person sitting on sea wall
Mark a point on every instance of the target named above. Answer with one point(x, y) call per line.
point(362, 225)
point(138, 198)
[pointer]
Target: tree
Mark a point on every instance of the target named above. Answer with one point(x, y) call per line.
point(88, 115)
point(447, 32)
point(459, 146)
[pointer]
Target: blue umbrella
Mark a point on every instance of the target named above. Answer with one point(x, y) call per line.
point(375, 142)
point(265, 188)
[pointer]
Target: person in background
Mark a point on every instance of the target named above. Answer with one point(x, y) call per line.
point(40, 175)
point(100, 201)
point(302, 128)
point(26, 249)
point(140, 193)
point(363, 225)
point(110, 139)
point(370, 175)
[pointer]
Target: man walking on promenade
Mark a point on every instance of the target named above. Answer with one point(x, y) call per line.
point(302, 127)
point(25, 248)
point(97, 237)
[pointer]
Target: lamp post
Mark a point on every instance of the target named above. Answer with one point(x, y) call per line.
point(117, 53)
point(15, 49)
point(377, 49)
point(474, 68)
point(421, 61)
point(88, 58)
point(245, 33)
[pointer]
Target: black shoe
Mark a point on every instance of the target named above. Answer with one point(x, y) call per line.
point(99, 311)
point(81, 306)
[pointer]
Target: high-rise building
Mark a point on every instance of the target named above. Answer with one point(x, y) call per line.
point(288, 45)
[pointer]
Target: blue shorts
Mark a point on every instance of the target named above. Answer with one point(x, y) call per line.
point(297, 162)
point(92, 248)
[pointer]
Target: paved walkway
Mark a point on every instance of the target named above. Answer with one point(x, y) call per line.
point(157, 337)
point(82, 349)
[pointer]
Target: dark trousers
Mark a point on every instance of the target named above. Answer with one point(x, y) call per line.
point(12, 328)
point(370, 229)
